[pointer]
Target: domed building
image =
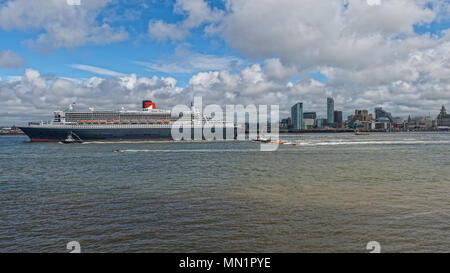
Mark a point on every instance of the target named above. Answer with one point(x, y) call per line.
point(443, 119)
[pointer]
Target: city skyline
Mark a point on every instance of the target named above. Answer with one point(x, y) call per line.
point(379, 119)
point(123, 52)
point(349, 112)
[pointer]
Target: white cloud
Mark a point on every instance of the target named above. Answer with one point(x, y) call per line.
point(94, 82)
point(62, 25)
point(197, 13)
point(186, 62)
point(34, 96)
point(97, 70)
point(162, 32)
point(10, 59)
point(14, 78)
point(33, 77)
point(274, 69)
point(370, 55)
point(309, 33)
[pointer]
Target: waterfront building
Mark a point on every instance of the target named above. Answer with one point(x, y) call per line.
point(421, 123)
point(443, 119)
point(383, 123)
point(362, 115)
point(400, 123)
point(380, 113)
point(322, 122)
point(285, 123)
point(338, 117)
point(10, 131)
point(362, 119)
point(297, 116)
point(309, 123)
point(310, 119)
point(365, 125)
point(350, 118)
point(310, 115)
point(330, 110)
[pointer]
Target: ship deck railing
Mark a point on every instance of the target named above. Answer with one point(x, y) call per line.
point(117, 126)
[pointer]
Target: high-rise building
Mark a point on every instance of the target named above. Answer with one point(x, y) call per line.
point(297, 116)
point(330, 110)
point(338, 117)
point(443, 119)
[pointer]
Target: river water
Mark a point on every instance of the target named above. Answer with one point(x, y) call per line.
point(333, 193)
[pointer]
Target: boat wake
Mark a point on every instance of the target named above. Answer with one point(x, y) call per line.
point(395, 142)
point(186, 151)
point(128, 142)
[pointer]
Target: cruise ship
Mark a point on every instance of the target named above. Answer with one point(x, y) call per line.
point(149, 124)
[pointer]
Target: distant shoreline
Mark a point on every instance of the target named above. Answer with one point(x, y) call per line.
point(12, 134)
point(341, 131)
point(299, 132)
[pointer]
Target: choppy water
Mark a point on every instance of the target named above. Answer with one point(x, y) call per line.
point(333, 193)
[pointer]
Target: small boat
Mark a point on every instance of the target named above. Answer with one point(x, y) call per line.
point(261, 139)
point(296, 144)
point(71, 140)
point(359, 133)
point(116, 151)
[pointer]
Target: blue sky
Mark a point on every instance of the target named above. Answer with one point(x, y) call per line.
point(362, 54)
point(139, 47)
point(121, 56)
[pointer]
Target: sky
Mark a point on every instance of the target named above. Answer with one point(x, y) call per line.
point(109, 54)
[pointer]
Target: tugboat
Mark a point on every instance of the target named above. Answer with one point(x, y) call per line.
point(71, 140)
point(262, 138)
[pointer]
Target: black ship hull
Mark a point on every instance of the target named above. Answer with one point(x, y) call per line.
point(47, 134)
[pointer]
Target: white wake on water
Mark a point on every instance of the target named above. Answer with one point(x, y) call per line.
point(187, 150)
point(392, 142)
